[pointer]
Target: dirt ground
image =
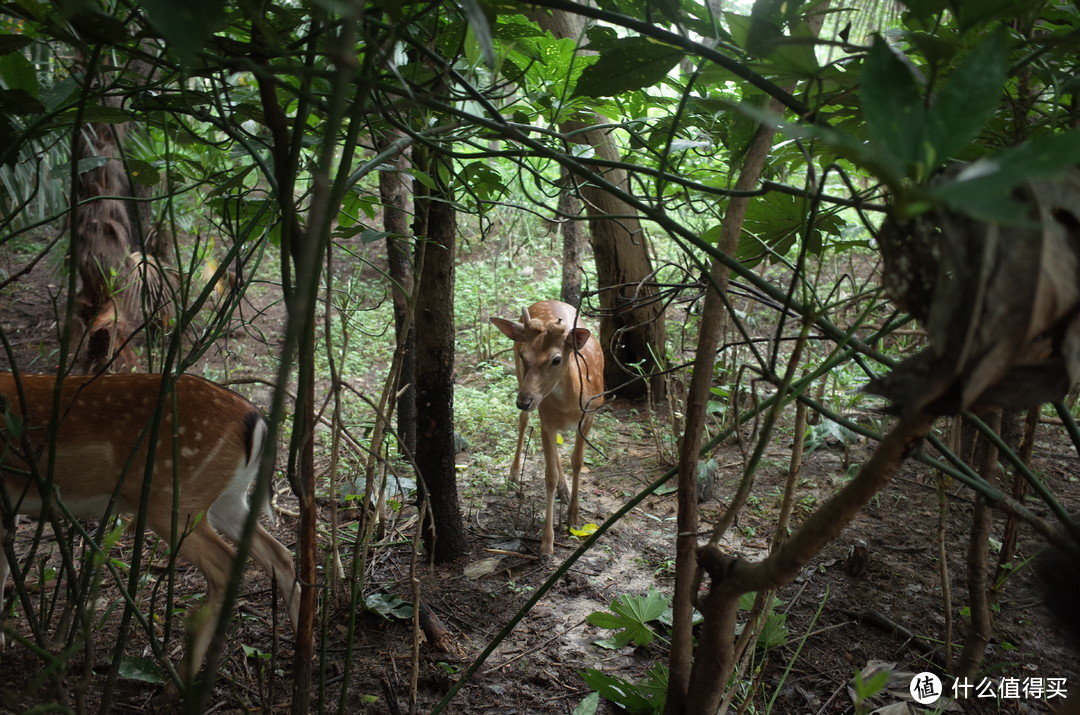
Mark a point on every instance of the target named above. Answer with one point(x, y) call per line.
point(842, 612)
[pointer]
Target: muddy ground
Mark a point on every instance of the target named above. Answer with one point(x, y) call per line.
point(841, 613)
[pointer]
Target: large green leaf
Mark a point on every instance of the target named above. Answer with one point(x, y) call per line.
point(142, 669)
point(982, 190)
point(143, 173)
point(629, 64)
point(892, 105)
point(618, 690)
point(776, 221)
point(18, 101)
point(968, 97)
point(924, 9)
point(630, 616)
point(12, 43)
point(783, 54)
point(187, 25)
point(17, 72)
point(480, 26)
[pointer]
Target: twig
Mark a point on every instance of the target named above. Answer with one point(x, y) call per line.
point(539, 647)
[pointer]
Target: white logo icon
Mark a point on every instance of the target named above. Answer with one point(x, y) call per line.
point(925, 688)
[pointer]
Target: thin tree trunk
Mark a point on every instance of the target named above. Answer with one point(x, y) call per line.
point(982, 625)
point(570, 207)
point(393, 193)
point(714, 319)
point(713, 323)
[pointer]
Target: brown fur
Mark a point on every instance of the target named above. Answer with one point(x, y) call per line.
point(566, 394)
point(101, 436)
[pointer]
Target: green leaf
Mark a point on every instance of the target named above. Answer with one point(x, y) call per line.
point(630, 616)
point(84, 165)
point(389, 606)
point(934, 48)
point(481, 28)
point(186, 26)
point(12, 43)
point(141, 669)
point(629, 64)
point(142, 172)
point(60, 94)
point(588, 705)
point(968, 98)
point(974, 13)
point(98, 26)
point(482, 180)
point(370, 235)
point(619, 691)
point(8, 140)
point(893, 107)
point(19, 101)
point(98, 113)
point(924, 9)
point(17, 72)
point(774, 632)
point(254, 653)
point(982, 189)
point(828, 433)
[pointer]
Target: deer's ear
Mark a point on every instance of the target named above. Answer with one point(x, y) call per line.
point(578, 337)
point(512, 330)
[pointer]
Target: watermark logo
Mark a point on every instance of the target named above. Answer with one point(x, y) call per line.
point(925, 688)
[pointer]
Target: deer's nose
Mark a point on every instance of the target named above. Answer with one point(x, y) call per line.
point(527, 402)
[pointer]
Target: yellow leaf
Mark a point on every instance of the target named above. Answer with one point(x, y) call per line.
point(585, 531)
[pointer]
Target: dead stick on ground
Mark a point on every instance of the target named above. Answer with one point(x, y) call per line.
point(543, 645)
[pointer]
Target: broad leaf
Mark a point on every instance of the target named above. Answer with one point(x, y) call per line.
point(968, 98)
point(142, 172)
point(630, 615)
point(982, 189)
point(389, 606)
point(480, 27)
point(19, 101)
point(185, 25)
point(17, 72)
point(12, 43)
point(141, 669)
point(619, 691)
point(629, 64)
point(893, 108)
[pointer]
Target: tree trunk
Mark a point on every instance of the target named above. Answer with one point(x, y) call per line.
point(392, 192)
point(569, 208)
point(682, 666)
point(436, 229)
point(632, 330)
point(110, 303)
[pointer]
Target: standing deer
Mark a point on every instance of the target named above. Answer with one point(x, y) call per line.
point(101, 440)
point(560, 372)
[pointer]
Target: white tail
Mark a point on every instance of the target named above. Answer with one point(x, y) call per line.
point(101, 439)
point(560, 371)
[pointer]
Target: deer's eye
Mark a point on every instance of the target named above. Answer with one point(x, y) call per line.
point(556, 360)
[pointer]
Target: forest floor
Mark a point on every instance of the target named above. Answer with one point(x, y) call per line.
point(841, 614)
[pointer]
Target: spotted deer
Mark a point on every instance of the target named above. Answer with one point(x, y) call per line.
point(210, 450)
point(560, 372)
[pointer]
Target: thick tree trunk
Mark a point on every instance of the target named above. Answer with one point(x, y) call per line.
point(118, 293)
point(102, 239)
point(443, 533)
point(632, 330)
